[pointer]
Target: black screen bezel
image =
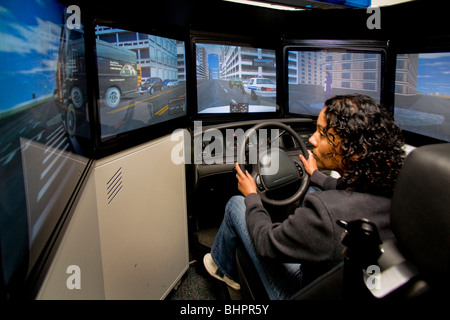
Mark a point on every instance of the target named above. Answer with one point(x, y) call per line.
point(234, 40)
point(424, 45)
point(363, 46)
point(104, 146)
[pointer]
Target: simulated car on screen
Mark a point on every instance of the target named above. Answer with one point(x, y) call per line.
point(235, 82)
point(151, 85)
point(260, 87)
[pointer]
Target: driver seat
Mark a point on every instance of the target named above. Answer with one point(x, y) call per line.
point(413, 264)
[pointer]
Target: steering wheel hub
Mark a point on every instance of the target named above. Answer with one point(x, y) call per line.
point(275, 167)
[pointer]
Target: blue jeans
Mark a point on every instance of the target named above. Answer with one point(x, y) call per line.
point(281, 280)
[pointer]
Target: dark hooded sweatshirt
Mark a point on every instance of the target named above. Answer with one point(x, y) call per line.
point(310, 235)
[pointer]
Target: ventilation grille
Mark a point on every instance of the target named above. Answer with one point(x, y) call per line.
point(114, 185)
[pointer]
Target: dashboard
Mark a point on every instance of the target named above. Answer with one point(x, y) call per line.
point(216, 146)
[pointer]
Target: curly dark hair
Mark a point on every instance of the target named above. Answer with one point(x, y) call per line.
point(371, 144)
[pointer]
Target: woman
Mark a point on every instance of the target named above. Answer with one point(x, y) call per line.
point(358, 139)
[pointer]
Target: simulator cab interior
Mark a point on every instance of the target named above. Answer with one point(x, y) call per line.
point(115, 182)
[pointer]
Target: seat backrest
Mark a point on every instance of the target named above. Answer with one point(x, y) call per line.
point(420, 211)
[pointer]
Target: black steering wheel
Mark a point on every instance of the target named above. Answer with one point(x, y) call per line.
point(267, 174)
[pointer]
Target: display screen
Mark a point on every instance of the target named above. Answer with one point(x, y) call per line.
point(422, 94)
point(316, 75)
point(142, 79)
point(42, 107)
point(235, 79)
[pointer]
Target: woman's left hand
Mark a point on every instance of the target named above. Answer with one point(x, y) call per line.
point(310, 164)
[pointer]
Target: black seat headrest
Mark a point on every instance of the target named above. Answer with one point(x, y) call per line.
point(420, 212)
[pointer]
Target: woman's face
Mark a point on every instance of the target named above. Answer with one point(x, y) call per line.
point(324, 151)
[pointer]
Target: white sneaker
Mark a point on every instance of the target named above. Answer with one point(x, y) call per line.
point(212, 268)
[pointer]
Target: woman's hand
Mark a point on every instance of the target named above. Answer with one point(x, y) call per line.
point(310, 164)
point(246, 183)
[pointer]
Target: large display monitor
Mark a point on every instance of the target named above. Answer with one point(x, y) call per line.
point(234, 78)
point(42, 96)
point(316, 74)
point(141, 79)
point(422, 94)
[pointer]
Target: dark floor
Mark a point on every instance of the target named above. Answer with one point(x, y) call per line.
point(197, 284)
